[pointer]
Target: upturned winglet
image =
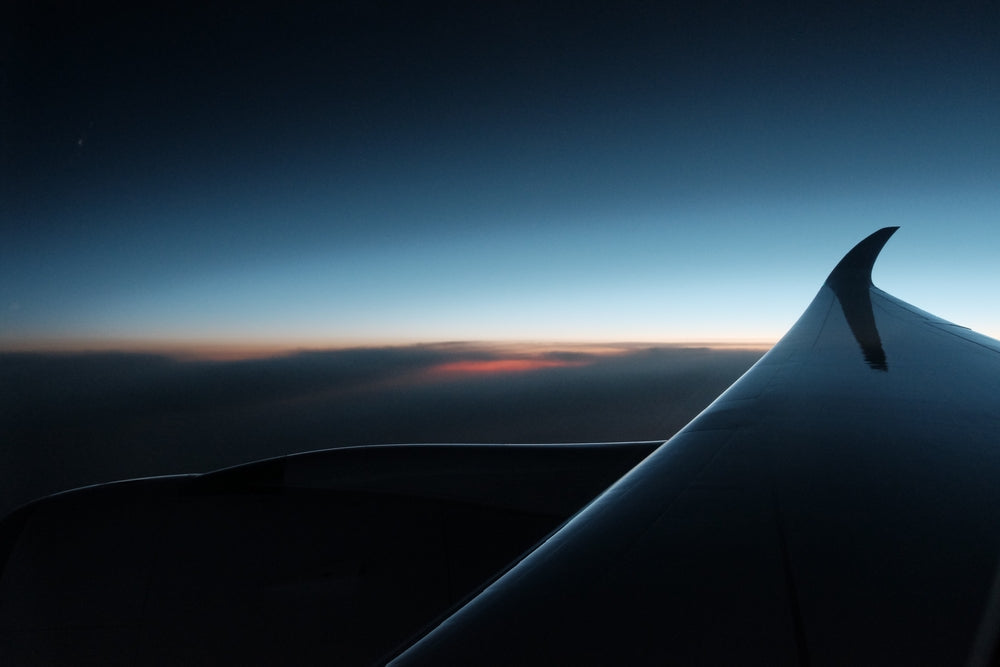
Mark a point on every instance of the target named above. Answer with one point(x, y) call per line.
point(851, 281)
point(855, 270)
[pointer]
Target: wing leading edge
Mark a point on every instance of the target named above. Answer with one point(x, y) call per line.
point(839, 504)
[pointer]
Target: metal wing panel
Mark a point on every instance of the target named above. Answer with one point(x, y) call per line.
point(840, 504)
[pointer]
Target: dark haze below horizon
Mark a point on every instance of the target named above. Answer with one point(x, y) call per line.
point(69, 420)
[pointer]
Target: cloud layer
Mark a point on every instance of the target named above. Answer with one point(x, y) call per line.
point(74, 419)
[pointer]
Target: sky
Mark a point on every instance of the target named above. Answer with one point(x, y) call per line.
point(228, 178)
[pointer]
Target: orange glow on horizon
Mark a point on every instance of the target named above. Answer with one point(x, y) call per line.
point(515, 356)
point(501, 365)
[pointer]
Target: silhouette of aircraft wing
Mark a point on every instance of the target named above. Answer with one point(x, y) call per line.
point(839, 504)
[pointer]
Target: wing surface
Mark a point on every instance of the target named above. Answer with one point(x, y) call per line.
point(838, 505)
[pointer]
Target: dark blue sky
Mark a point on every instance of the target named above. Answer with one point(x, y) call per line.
point(366, 174)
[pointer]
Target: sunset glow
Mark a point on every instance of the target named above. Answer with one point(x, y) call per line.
point(383, 174)
point(502, 366)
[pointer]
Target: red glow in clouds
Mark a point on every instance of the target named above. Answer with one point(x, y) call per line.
point(501, 365)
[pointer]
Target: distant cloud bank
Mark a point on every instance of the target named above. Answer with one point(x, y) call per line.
point(82, 418)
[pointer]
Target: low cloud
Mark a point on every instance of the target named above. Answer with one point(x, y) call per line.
point(74, 419)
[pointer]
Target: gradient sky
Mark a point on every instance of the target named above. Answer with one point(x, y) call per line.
point(580, 171)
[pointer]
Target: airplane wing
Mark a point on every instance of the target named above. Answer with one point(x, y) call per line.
point(839, 504)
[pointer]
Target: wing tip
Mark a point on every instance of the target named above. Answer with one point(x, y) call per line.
point(855, 269)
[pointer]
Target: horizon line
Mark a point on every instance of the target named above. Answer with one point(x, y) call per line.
point(214, 350)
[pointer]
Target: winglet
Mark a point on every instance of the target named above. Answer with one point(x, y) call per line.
point(855, 270)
